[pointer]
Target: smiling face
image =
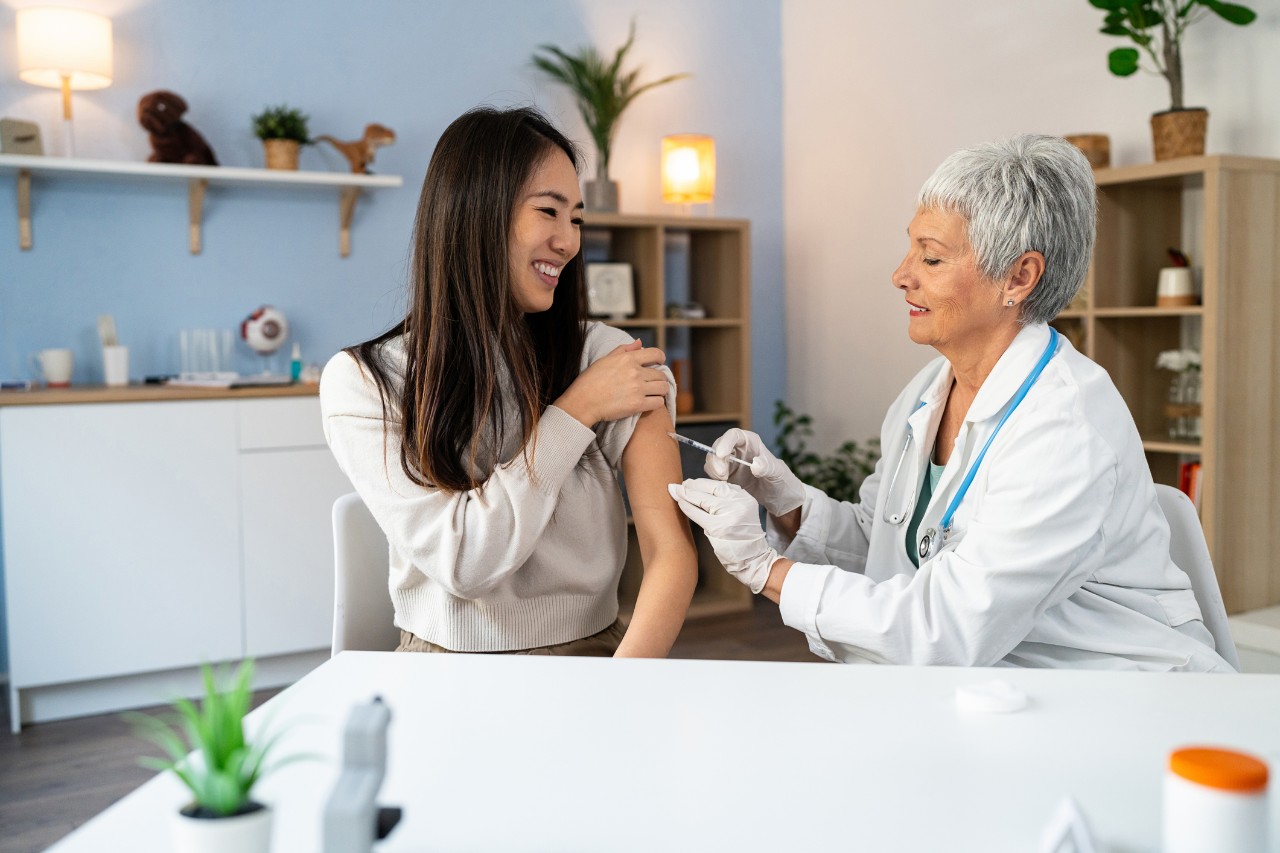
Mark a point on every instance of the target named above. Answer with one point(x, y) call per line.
point(952, 306)
point(545, 231)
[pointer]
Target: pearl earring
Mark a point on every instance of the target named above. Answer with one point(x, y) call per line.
point(1010, 302)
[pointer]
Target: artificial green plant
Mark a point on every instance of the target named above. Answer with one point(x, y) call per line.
point(282, 122)
point(224, 767)
point(601, 88)
point(1157, 27)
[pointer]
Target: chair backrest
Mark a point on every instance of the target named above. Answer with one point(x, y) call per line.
point(362, 611)
point(1189, 551)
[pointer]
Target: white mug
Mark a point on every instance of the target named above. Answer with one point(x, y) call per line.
point(55, 367)
point(115, 365)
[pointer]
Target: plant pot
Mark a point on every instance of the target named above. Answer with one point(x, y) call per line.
point(602, 196)
point(248, 832)
point(1179, 133)
point(281, 153)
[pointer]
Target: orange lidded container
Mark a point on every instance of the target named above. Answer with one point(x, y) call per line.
point(1215, 800)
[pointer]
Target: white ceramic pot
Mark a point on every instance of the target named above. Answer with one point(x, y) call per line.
point(246, 833)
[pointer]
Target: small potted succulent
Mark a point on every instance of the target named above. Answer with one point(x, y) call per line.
point(220, 772)
point(603, 90)
point(283, 130)
point(1157, 27)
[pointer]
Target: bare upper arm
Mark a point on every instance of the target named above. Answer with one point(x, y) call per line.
point(650, 462)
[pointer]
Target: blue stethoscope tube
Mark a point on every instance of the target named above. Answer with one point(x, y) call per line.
point(926, 541)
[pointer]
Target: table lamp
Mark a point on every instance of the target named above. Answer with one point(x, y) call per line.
point(64, 49)
point(688, 169)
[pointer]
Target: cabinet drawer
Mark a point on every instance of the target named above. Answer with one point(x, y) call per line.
point(276, 423)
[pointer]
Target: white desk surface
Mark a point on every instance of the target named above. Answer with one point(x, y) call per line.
point(498, 753)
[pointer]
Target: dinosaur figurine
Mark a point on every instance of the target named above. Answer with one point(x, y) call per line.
point(360, 152)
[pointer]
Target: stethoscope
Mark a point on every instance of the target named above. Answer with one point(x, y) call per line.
point(931, 537)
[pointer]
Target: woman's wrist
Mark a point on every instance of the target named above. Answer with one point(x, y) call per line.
point(575, 408)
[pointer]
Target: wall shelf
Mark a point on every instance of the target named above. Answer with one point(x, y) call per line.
point(197, 178)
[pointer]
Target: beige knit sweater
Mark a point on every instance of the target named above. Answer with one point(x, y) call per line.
point(532, 558)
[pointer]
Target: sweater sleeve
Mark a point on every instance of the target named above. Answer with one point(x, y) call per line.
point(469, 542)
point(612, 436)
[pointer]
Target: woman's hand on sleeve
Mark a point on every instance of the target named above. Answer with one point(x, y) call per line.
point(621, 384)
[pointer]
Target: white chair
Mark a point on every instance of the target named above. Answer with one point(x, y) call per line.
point(362, 611)
point(1189, 551)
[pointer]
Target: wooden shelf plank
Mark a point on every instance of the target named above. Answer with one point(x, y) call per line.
point(1146, 311)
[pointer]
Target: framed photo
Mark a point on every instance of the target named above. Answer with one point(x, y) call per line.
point(610, 290)
point(19, 137)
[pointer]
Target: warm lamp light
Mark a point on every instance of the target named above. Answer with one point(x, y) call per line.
point(688, 169)
point(64, 49)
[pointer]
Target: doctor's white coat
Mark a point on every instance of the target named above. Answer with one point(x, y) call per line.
point(1058, 555)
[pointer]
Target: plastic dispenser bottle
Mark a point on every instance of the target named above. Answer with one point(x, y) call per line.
point(1215, 800)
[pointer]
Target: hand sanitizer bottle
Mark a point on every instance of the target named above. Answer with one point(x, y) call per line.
point(295, 362)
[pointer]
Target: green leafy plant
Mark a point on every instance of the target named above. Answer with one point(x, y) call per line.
point(839, 474)
point(1157, 28)
point(601, 88)
point(222, 772)
point(282, 122)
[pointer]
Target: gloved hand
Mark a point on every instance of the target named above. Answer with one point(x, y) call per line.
point(731, 519)
point(768, 479)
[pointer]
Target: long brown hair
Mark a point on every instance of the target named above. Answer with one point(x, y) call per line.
point(464, 330)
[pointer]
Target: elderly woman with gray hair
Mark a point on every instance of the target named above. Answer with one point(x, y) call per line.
point(1012, 520)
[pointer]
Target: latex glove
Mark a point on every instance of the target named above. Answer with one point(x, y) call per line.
point(731, 520)
point(768, 480)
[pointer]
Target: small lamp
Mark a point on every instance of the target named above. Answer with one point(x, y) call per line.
point(688, 169)
point(64, 49)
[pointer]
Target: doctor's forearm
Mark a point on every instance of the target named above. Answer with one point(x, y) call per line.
point(777, 576)
point(787, 525)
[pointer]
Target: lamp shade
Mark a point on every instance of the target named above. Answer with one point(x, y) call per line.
point(56, 44)
point(688, 169)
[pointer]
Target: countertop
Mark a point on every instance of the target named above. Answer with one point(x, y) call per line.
point(146, 394)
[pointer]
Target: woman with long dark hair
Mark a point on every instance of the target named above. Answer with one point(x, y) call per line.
point(486, 430)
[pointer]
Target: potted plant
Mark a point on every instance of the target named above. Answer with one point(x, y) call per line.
point(603, 91)
point(1157, 27)
point(221, 770)
point(839, 474)
point(283, 130)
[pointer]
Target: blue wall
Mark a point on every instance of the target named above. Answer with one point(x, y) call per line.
point(121, 248)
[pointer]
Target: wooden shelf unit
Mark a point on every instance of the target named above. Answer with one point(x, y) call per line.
point(1224, 212)
point(197, 179)
point(682, 259)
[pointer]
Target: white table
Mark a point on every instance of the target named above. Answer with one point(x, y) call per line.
point(493, 753)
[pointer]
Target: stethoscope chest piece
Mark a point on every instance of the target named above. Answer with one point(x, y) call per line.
point(926, 542)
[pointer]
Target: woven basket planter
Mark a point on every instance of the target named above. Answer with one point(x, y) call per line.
point(1179, 133)
point(281, 153)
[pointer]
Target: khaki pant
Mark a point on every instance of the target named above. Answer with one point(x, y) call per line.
point(601, 645)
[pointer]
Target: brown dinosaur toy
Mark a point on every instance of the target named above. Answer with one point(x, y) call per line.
point(360, 152)
point(172, 139)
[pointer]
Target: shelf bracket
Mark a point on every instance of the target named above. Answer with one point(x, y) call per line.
point(346, 210)
point(24, 209)
point(195, 211)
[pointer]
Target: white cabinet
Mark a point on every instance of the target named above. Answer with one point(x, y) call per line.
point(148, 537)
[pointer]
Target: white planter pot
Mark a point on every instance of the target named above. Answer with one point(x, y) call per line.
point(246, 833)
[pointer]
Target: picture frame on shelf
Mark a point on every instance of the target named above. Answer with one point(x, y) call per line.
point(611, 290)
point(20, 137)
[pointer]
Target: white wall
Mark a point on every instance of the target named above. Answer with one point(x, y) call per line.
point(875, 95)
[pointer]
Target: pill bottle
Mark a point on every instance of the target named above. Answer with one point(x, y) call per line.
point(1215, 800)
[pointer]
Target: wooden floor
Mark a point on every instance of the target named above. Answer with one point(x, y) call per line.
point(55, 776)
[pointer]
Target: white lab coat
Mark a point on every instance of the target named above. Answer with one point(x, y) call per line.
point(1058, 556)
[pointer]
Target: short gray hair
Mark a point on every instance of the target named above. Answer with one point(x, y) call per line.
point(1028, 193)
